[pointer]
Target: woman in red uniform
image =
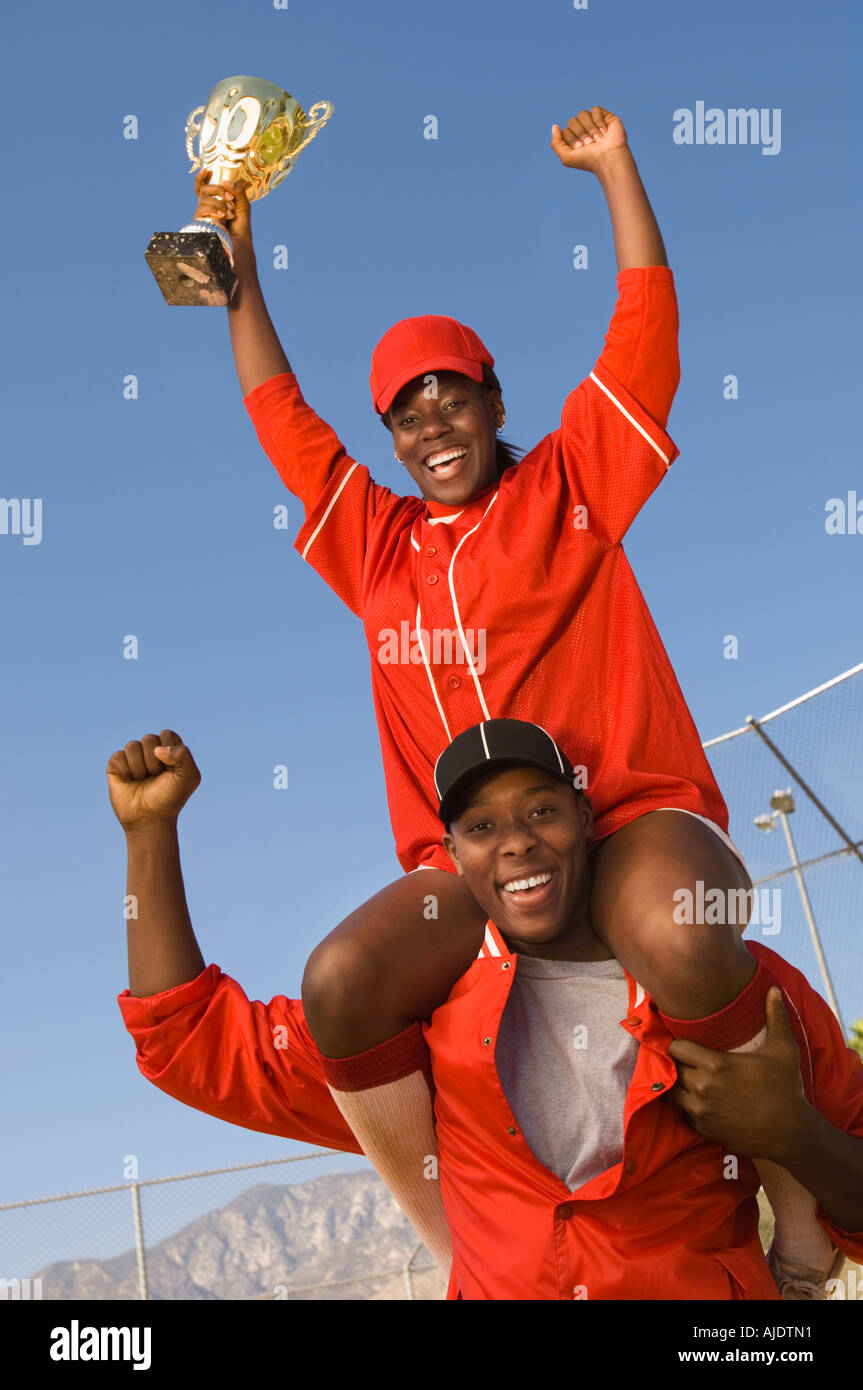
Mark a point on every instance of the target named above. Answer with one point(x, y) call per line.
point(503, 591)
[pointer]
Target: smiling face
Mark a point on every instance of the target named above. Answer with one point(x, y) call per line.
point(519, 840)
point(463, 417)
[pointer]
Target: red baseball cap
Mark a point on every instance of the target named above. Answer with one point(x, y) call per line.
point(414, 346)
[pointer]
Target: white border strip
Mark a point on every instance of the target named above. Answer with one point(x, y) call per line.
point(430, 676)
point(335, 499)
point(641, 430)
point(490, 943)
point(456, 613)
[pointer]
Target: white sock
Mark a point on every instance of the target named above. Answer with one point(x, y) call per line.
point(394, 1124)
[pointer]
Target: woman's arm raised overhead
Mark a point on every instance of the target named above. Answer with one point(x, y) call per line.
point(596, 142)
point(258, 354)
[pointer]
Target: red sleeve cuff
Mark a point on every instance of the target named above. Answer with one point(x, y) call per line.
point(259, 394)
point(649, 272)
point(153, 1008)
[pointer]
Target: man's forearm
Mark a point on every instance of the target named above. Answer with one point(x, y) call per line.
point(161, 943)
point(829, 1163)
point(637, 239)
point(258, 354)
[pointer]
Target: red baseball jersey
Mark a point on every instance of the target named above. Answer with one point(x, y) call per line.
point(669, 1220)
point(520, 604)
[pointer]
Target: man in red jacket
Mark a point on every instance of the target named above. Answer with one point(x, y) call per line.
point(566, 1172)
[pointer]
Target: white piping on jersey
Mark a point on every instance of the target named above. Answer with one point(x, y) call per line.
point(333, 502)
point(631, 419)
point(430, 676)
point(639, 994)
point(786, 999)
point(433, 521)
point(456, 613)
point(489, 946)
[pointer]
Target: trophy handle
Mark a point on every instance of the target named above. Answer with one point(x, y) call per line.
point(193, 128)
point(313, 125)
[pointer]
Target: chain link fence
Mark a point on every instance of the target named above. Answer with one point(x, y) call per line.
point(791, 779)
point(329, 1229)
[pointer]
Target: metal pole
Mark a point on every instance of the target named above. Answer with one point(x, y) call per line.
point(855, 849)
point(810, 917)
point(407, 1271)
point(140, 1252)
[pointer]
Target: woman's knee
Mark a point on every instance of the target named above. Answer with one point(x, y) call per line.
point(668, 899)
point(342, 991)
point(691, 966)
point(390, 962)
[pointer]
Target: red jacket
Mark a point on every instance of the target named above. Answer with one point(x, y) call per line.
point(664, 1223)
point(523, 599)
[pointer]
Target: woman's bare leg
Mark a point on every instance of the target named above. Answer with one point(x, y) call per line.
point(689, 970)
point(389, 964)
point(703, 980)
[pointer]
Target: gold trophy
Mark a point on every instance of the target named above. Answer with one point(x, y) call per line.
point(251, 133)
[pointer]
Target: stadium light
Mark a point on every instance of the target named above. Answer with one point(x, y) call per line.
point(782, 805)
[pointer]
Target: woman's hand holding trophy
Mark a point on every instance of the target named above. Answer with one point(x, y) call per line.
point(249, 134)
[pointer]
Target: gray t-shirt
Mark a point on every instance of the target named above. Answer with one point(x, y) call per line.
point(565, 1063)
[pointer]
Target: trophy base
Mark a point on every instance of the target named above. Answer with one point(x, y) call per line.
point(191, 268)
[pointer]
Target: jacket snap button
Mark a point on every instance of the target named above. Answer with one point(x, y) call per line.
point(486, 1042)
point(512, 1130)
point(507, 965)
point(564, 1211)
point(658, 1086)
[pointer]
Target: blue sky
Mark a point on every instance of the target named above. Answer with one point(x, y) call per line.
point(157, 512)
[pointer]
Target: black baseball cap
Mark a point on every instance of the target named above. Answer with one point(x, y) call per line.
point(492, 744)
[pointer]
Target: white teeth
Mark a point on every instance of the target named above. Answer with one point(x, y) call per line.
point(437, 459)
point(520, 885)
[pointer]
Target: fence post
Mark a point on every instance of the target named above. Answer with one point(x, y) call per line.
point(855, 849)
point(407, 1271)
point(140, 1252)
point(810, 918)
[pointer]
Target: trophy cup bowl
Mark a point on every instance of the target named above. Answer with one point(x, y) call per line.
point(250, 133)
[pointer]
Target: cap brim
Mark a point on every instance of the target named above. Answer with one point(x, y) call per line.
point(462, 365)
point(450, 802)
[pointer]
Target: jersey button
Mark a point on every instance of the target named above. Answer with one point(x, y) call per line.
point(633, 1021)
point(658, 1086)
point(455, 682)
point(564, 1211)
point(431, 550)
point(431, 579)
